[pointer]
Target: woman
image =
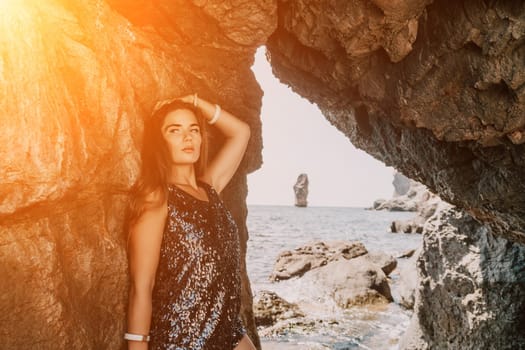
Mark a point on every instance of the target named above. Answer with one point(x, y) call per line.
point(183, 244)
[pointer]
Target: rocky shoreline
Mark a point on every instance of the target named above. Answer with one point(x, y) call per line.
point(467, 281)
point(344, 272)
point(411, 196)
point(463, 280)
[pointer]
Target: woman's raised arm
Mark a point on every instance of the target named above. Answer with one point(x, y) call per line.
point(237, 134)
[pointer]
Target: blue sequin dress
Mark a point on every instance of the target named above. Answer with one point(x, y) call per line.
point(196, 299)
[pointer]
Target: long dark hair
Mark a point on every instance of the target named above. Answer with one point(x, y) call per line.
point(156, 157)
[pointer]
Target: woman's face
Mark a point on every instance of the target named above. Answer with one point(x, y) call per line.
point(182, 134)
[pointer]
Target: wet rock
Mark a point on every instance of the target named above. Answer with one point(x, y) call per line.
point(302, 326)
point(301, 191)
point(269, 308)
point(344, 271)
point(386, 262)
point(406, 254)
point(353, 282)
point(408, 280)
point(406, 226)
point(313, 255)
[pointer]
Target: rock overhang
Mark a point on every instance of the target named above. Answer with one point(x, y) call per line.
point(433, 88)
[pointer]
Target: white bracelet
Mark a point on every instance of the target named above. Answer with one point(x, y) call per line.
point(136, 337)
point(195, 100)
point(216, 115)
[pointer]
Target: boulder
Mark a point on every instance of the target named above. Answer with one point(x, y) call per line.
point(344, 271)
point(426, 204)
point(313, 255)
point(406, 226)
point(386, 262)
point(269, 308)
point(415, 198)
point(352, 282)
point(406, 254)
point(378, 203)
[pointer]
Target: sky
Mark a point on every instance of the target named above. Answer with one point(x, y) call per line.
point(298, 139)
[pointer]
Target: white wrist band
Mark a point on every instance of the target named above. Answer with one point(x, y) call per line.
point(136, 337)
point(195, 100)
point(216, 115)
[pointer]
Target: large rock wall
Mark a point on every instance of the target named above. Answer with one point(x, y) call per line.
point(471, 293)
point(434, 88)
point(77, 78)
point(437, 90)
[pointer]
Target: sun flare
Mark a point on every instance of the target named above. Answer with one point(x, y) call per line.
point(9, 4)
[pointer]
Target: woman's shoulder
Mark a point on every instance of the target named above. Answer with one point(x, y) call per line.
point(151, 217)
point(155, 199)
point(154, 205)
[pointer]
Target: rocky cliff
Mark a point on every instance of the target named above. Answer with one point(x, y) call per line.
point(471, 292)
point(437, 90)
point(77, 78)
point(434, 88)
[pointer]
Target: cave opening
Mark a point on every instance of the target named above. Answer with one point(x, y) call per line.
point(297, 138)
point(344, 181)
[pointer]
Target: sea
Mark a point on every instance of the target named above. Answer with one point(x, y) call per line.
point(273, 229)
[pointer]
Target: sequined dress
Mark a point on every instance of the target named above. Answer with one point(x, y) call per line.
point(196, 299)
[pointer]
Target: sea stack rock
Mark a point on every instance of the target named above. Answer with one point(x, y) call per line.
point(301, 191)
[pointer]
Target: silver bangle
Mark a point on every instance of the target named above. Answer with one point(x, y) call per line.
point(136, 337)
point(195, 100)
point(216, 115)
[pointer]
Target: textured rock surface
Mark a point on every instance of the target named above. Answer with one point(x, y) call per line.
point(301, 191)
point(343, 271)
point(295, 263)
point(418, 198)
point(270, 308)
point(76, 80)
point(434, 88)
point(353, 282)
point(386, 262)
point(471, 293)
point(408, 281)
